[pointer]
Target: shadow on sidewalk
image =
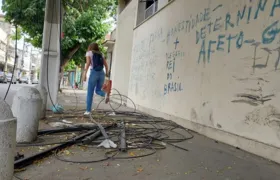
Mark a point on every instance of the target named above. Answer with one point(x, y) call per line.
point(197, 158)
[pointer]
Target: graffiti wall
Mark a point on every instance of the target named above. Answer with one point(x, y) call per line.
point(213, 62)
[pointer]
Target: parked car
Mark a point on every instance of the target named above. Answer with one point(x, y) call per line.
point(35, 81)
point(3, 77)
point(9, 77)
point(24, 79)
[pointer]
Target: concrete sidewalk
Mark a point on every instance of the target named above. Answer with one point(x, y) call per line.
point(205, 160)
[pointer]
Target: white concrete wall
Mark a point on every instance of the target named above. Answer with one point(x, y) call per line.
point(123, 48)
point(223, 74)
point(162, 3)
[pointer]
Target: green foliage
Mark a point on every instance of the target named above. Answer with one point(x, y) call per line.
point(70, 65)
point(29, 15)
point(88, 28)
point(18, 35)
point(82, 23)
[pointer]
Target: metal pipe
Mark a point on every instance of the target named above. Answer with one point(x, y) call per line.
point(60, 130)
point(29, 160)
point(90, 138)
point(123, 139)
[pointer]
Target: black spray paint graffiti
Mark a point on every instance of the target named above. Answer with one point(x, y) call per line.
point(278, 59)
point(216, 8)
point(253, 97)
point(269, 52)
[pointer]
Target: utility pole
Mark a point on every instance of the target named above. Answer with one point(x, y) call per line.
point(51, 53)
point(37, 60)
point(23, 50)
point(22, 57)
point(30, 64)
point(7, 53)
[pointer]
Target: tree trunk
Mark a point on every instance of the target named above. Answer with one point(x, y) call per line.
point(61, 75)
point(65, 60)
point(70, 55)
point(82, 74)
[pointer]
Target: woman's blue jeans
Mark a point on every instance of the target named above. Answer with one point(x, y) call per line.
point(95, 82)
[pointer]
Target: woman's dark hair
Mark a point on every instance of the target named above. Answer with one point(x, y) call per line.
point(93, 47)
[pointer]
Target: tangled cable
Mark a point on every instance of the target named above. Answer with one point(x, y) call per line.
point(142, 132)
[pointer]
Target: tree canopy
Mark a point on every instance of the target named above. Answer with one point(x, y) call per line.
point(83, 23)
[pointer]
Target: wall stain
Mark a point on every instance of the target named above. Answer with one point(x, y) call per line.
point(204, 104)
point(193, 115)
point(219, 126)
point(264, 116)
point(211, 118)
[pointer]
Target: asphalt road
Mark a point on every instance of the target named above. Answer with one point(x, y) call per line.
point(14, 88)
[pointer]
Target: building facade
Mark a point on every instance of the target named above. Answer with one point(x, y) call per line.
point(212, 66)
point(28, 60)
point(7, 51)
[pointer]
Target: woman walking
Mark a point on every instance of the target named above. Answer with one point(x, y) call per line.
point(96, 63)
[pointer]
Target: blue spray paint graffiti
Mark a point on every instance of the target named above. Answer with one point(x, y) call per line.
point(276, 4)
point(209, 47)
point(224, 42)
point(271, 32)
point(176, 43)
point(172, 84)
point(189, 24)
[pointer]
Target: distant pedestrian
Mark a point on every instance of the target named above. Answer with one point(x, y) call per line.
point(96, 62)
point(76, 85)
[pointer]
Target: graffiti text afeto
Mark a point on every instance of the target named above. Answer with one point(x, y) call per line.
point(224, 42)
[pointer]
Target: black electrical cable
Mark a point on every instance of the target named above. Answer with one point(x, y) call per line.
point(120, 104)
point(135, 138)
point(60, 49)
point(80, 162)
point(60, 31)
point(60, 54)
point(48, 56)
point(45, 144)
point(15, 62)
point(144, 139)
point(130, 157)
point(138, 137)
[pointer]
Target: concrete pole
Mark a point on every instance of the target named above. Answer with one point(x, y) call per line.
point(8, 127)
point(36, 73)
point(27, 108)
point(50, 64)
